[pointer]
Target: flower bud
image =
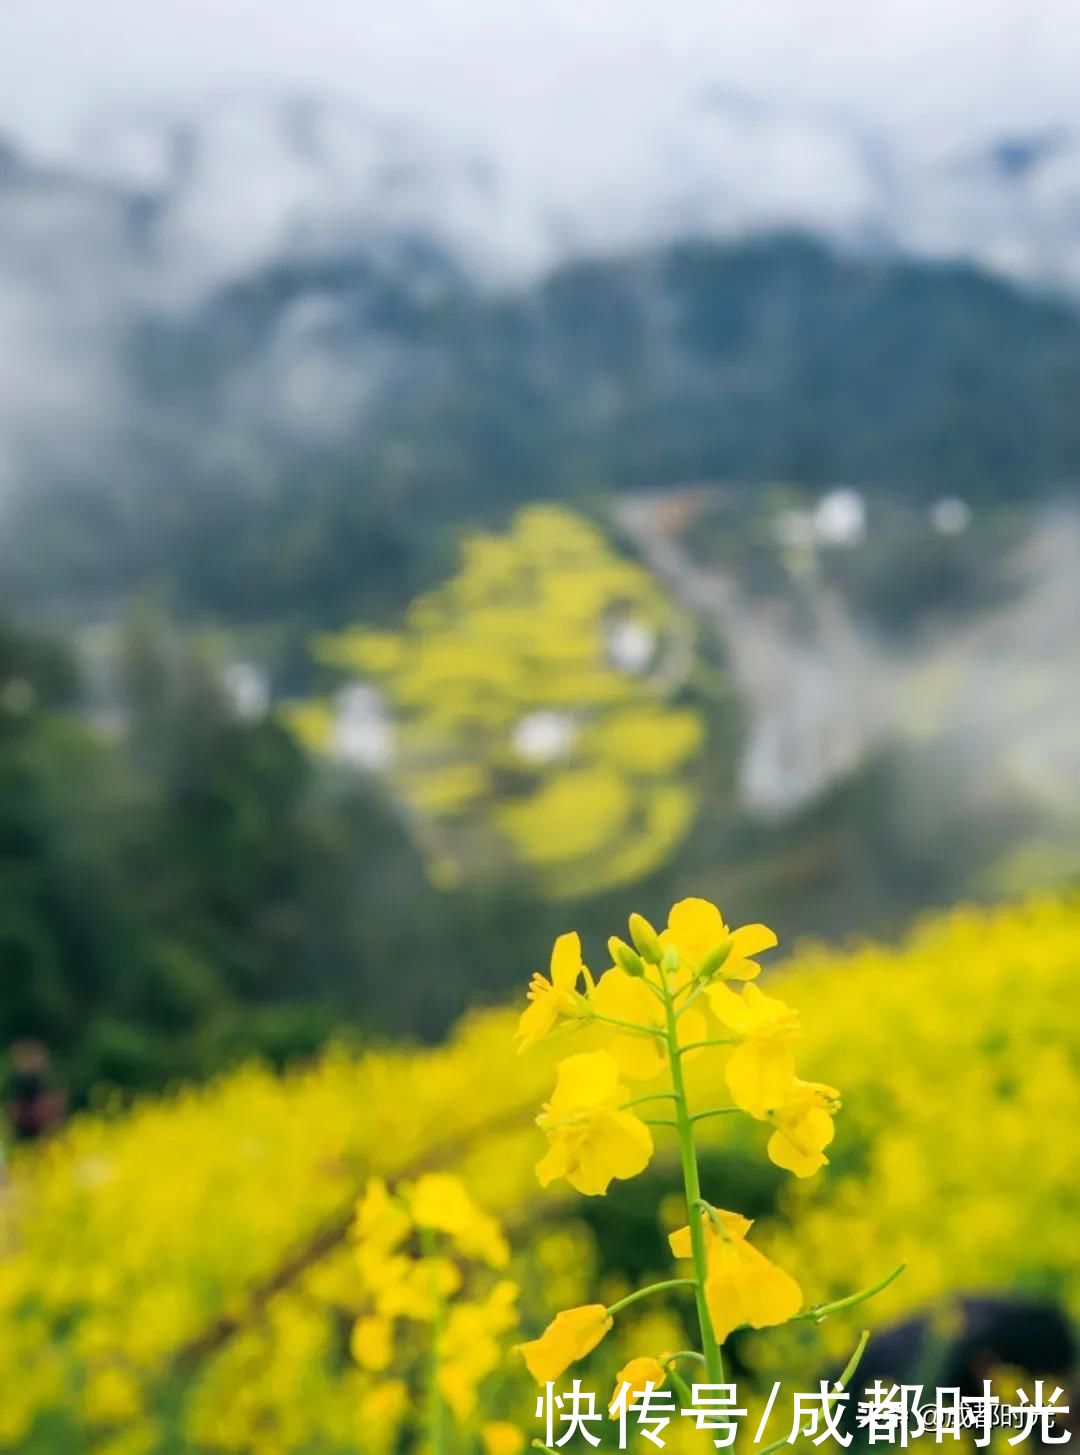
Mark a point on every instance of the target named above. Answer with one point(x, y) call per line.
point(646, 939)
point(623, 956)
point(711, 962)
point(670, 961)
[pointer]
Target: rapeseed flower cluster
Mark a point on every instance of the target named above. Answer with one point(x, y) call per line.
point(651, 1008)
point(421, 1254)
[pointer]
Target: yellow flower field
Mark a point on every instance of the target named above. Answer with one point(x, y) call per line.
point(193, 1274)
point(526, 710)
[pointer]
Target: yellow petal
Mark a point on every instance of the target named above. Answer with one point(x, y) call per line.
point(730, 1009)
point(569, 1337)
point(537, 1020)
point(439, 1200)
point(798, 1146)
point(372, 1343)
point(679, 1243)
point(625, 997)
point(553, 1164)
point(620, 1145)
point(500, 1437)
point(732, 1224)
point(566, 961)
point(692, 1028)
point(772, 1296)
point(457, 1385)
point(750, 940)
point(760, 1075)
point(639, 1057)
point(733, 969)
point(638, 1373)
point(768, 1016)
point(752, 1013)
point(628, 1143)
point(588, 1079)
point(724, 1294)
point(743, 1287)
point(694, 926)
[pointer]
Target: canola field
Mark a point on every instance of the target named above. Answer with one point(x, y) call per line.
point(524, 713)
point(235, 1268)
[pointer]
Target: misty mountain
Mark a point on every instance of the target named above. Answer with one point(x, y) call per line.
point(289, 342)
point(316, 420)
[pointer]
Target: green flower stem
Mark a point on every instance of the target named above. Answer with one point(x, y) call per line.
point(838, 1388)
point(655, 989)
point(853, 1363)
point(660, 1121)
point(820, 1312)
point(710, 1212)
point(639, 1030)
point(681, 1387)
point(715, 1111)
point(683, 1354)
point(766, 1450)
point(661, 1287)
point(712, 1041)
point(652, 1096)
point(714, 1362)
point(436, 1410)
point(696, 992)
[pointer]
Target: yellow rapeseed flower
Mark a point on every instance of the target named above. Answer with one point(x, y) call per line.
point(550, 999)
point(419, 1289)
point(804, 1127)
point(628, 998)
point(382, 1409)
point(695, 926)
point(742, 1286)
point(591, 1139)
point(372, 1343)
point(500, 1437)
point(569, 1337)
point(761, 1070)
point(439, 1201)
point(111, 1396)
point(470, 1346)
point(638, 1373)
point(381, 1219)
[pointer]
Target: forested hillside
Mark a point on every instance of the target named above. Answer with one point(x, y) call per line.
point(299, 445)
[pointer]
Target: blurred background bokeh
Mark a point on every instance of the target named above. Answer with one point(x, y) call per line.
point(469, 471)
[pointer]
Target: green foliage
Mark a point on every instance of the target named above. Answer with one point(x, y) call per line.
point(156, 884)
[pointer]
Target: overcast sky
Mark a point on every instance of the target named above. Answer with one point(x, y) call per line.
point(934, 73)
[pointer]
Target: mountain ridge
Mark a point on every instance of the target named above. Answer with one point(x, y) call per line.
point(345, 404)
